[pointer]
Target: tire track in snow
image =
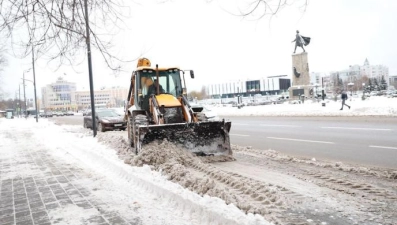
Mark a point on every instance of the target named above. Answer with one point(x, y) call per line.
point(371, 191)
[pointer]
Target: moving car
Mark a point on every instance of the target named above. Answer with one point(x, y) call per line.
point(106, 119)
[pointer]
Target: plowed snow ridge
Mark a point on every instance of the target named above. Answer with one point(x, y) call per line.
point(139, 180)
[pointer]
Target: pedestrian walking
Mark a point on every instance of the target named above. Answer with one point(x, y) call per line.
point(344, 98)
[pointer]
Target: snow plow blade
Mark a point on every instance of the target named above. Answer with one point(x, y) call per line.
point(202, 138)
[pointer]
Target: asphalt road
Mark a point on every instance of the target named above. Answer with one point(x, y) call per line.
point(358, 140)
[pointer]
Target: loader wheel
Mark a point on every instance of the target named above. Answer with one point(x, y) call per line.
point(138, 121)
point(201, 117)
point(130, 130)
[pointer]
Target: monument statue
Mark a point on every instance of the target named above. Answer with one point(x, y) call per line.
point(301, 41)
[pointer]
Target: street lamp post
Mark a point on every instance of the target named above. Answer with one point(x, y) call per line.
point(34, 85)
point(363, 91)
point(19, 100)
point(350, 85)
point(24, 94)
point(35, 99)
point(88, 42)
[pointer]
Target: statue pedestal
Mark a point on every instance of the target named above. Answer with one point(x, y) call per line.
point(300, 77)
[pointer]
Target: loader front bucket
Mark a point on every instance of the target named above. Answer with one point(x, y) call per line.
point(202, 138)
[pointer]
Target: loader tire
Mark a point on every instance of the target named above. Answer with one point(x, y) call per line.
point(201, 117)
point(138, 121)
point(130, 130)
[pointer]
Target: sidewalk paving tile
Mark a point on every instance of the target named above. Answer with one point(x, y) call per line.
point(45, 185)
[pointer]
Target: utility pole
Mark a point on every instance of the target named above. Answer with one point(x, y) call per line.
point(87, 28)
point(19, 100)
point(34, 84)
point(322, 85)
point(24, 94)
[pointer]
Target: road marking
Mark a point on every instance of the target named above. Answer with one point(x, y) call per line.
point(301, 140)
point(269, 125)
point(374, 146)
point(241, 135)
point(241, 124)
point(353, 128)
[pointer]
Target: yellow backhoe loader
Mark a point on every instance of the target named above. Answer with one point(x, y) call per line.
point(157, 108)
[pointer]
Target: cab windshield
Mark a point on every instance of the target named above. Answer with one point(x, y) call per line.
point(169, 81)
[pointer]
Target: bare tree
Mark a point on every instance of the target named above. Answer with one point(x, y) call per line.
point(263, 8)
point(56, 28)
point(3, 63)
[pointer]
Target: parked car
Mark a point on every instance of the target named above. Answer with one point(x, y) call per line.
point(374, 93)
point(106, 119)
point(48, 114)
point(69, 113)
point(57, 113)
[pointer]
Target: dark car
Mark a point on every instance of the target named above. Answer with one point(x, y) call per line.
point(106, 119)
point(48, 114)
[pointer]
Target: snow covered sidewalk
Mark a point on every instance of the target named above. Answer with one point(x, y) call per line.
point(53, 174)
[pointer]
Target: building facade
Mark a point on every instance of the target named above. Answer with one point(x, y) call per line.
point(59, 96)
point(393, 81)
point(357, 73)
point(271, 85)
point(107, 97)
point(63, 96)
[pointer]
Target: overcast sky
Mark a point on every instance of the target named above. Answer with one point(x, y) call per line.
point(205, 36)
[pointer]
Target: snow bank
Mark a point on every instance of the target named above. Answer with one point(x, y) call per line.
point(373, 106)
point(73, 143)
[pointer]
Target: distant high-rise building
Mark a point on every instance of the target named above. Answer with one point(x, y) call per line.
point(59, 95)
point(62, 95)
point(376, 71)
point(393, 81)
point(356, 74)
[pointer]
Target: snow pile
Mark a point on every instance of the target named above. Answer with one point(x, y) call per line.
point(115, 182)
point(198, 175)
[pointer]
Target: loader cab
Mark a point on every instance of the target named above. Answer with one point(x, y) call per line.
point(169, 80)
